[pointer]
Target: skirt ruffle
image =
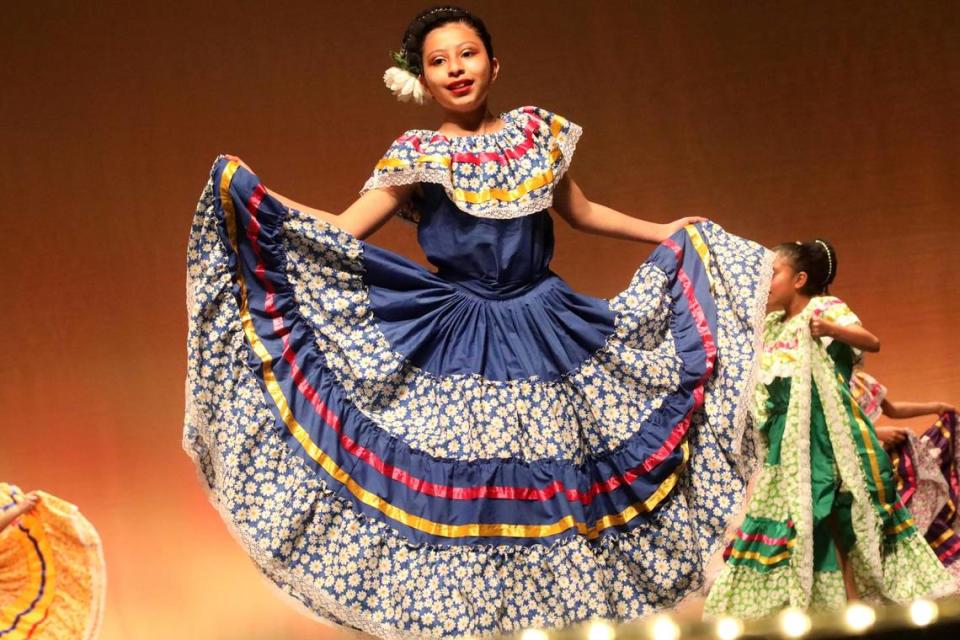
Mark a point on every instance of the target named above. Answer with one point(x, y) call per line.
point(417, 503)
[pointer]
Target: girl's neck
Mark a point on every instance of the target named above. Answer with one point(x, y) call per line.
point(798, 304)
point(470, 123)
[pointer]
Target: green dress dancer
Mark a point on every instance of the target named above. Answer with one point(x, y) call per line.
point(826, 482)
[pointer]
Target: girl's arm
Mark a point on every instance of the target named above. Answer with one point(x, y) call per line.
point(368, 213)
point(901, 410)
point(854, 334)
point(572, 205)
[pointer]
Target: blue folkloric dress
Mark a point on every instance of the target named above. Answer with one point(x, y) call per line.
point(475, 449)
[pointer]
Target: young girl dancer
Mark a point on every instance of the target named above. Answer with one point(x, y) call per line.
point(824, 522)
point(479, 448)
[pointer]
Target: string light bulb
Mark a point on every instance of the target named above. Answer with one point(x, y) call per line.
point(923, 612)
point(794, 623)
point(662, 627)
point(728, 628)
point(600, 630)
point(859, 617)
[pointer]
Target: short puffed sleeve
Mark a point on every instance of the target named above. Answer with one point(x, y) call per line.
point(834, 310)
point(868, 393)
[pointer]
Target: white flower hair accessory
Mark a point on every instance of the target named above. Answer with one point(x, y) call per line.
point(402, 80)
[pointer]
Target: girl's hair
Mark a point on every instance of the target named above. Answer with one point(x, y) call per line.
point(815, 257)
point(411, 47)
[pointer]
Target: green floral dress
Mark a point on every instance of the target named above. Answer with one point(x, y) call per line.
point(825, 482)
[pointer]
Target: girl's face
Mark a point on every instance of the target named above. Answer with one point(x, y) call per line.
point(456, 69)
point(785, 284)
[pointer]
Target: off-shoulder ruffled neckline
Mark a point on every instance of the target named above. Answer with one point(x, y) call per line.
point(510, 125)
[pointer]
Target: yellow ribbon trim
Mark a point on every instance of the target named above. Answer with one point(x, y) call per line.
point(906, 524)
point(952, 507)
point(532, 183)
point(701, 247)
point(756, 556)
point(943, 538)
point(371, 499)
point(871, 455)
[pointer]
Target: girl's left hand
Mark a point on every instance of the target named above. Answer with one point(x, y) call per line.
point(27, 503)
point(672, 227)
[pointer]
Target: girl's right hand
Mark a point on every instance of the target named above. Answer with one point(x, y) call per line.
point(892, 436)
point(671, 228)
point(819, 327)
point(943, 407)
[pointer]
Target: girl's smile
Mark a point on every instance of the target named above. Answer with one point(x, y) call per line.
point(460, 87)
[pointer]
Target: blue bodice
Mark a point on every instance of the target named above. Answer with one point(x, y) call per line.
point(489, 257)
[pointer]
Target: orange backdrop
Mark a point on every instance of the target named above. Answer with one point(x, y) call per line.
point(780, 120)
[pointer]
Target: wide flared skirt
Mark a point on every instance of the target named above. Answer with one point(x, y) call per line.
point(410, 459)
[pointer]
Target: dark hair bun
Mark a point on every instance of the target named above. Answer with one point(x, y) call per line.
point(817, 258)
point(411, 47)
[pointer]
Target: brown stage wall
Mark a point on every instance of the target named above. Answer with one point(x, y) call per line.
point(781, 120)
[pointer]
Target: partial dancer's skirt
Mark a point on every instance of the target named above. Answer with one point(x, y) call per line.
point(409, 501)
point(52, 574)
point(928, 478)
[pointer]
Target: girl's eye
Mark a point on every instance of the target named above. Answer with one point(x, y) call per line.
point(468, 53)
point(436, 61)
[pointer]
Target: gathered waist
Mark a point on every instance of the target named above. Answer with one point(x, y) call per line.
point(501, 290)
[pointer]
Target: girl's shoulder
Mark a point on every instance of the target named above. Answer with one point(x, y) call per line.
point(506, 173)
point(833, 309)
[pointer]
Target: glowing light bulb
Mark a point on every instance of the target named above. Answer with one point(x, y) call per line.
point(794, 623)
point(663, 627)
point(728, 628)
point(859, 617)
point(600, 630)
point(923, 612)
